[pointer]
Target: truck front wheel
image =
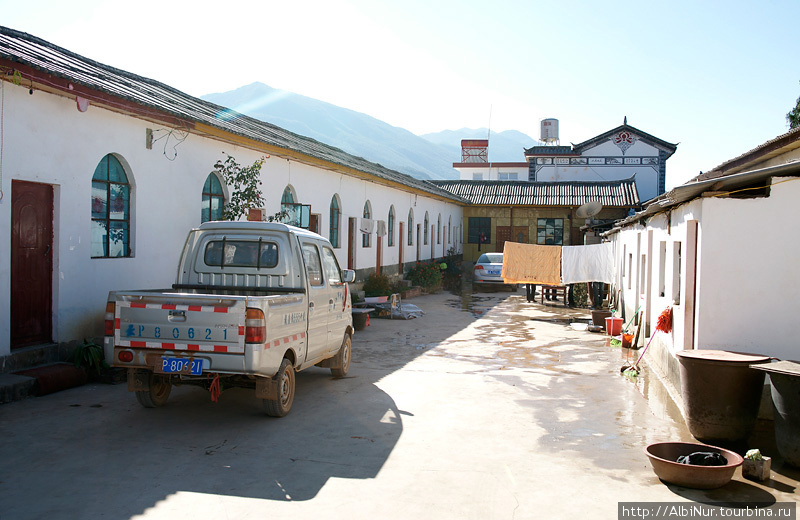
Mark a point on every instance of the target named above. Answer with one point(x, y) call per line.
point(285, 380)
point(157, 393)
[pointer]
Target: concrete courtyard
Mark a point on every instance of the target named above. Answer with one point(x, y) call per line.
point(486, 407)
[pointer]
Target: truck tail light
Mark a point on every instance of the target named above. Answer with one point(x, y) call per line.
point(109, 319)
point(125, 356)
point(255, 326)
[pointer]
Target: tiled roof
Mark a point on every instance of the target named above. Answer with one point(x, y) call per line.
point(550, 150)
point(772, 148)
point(620, 193)
point(19, 47)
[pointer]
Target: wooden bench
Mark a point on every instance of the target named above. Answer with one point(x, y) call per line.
point(361, 317)
point(555, 291)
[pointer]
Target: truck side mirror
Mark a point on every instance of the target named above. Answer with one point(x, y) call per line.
point(349, 275)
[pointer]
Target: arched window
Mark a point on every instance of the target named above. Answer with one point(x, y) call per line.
point(449, 228)
point(390, 231)
point(288, 205)
point(411, 227)
point(334, 223)
point(213, 199)
point(425, 230)
point(439, 229)
point(365, 237)
point(111, 197)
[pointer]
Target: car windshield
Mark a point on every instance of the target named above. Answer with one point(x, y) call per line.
point(491, 258)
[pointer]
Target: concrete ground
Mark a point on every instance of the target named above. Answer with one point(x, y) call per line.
point(487, 407)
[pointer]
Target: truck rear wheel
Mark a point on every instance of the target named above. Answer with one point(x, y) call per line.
point(157, 392)
point(285, 378)
point(341, 362)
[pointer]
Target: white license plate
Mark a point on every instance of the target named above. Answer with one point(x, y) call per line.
point(172, 365)
point(173, 333)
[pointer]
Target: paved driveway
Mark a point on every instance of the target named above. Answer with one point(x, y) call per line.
point(486, 407)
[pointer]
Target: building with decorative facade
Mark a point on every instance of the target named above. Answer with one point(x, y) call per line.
point(621, 153)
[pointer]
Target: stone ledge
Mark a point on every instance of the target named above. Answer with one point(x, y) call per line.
point(14, 387)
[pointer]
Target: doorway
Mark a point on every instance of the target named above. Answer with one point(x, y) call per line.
point(351, 243)
point(31, 263)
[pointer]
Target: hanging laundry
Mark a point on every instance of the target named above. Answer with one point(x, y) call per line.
point(530, 263)
point(591, 263)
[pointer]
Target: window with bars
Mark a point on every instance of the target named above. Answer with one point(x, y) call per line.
point(479, 229)
point(550, 231)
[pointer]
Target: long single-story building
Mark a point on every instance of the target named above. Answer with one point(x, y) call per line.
point(719, 251)
point(103, 173)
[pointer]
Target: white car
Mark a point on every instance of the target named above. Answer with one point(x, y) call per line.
point(488, 270)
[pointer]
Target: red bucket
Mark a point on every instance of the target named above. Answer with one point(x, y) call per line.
point(613, 326)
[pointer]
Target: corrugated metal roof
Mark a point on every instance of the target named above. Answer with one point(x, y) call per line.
point(620, 193)
point(41, 55)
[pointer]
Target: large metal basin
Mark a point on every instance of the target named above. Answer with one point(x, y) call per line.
point(721, 393)
point(785, 379)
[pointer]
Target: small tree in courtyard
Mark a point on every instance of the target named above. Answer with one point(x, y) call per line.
point(244, 183)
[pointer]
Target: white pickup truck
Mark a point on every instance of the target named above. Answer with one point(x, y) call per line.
point(254, 302)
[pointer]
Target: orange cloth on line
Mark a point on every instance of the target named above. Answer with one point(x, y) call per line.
point(531, 263)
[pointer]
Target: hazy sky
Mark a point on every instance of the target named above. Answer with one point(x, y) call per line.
point(716, 77)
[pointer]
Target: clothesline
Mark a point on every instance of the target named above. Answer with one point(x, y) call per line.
point(557, 265)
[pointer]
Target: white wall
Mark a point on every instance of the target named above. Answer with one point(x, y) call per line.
point(46, 139)
point(491, 172)
point(747, 283)
point(750, 282)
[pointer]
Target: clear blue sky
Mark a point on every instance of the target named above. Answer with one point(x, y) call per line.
point(717, 77)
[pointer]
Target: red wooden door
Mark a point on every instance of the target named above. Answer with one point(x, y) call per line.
point(378, 259)
point(31, 263)
point(351, 243)
point(400, 238)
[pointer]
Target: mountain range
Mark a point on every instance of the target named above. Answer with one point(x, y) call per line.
point(430, 156)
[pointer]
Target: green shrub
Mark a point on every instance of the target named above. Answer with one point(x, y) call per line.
point(377, 285)
point(426, 275)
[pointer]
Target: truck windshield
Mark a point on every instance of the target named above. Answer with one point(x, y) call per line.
point(241, 253)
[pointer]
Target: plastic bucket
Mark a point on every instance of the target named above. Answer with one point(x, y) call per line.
point(614, 326)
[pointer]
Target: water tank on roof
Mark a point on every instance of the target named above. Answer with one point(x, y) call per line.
point(549, 131)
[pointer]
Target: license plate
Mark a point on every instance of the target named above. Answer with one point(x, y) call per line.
point(180, 333)
point(172, 365)
point(493, 273)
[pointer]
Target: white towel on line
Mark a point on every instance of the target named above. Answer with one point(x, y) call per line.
point(592, 263)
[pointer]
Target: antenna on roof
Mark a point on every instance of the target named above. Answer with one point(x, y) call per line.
point(489, 130)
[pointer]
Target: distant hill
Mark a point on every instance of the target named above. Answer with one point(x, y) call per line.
point(428, 157)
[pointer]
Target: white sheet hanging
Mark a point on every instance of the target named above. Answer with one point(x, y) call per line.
point(592, 263)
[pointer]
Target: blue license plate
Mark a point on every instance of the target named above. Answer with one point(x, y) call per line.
point(492, 273)
point(171, 365)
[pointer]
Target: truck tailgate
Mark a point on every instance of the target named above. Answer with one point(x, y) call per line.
point(181, 322)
